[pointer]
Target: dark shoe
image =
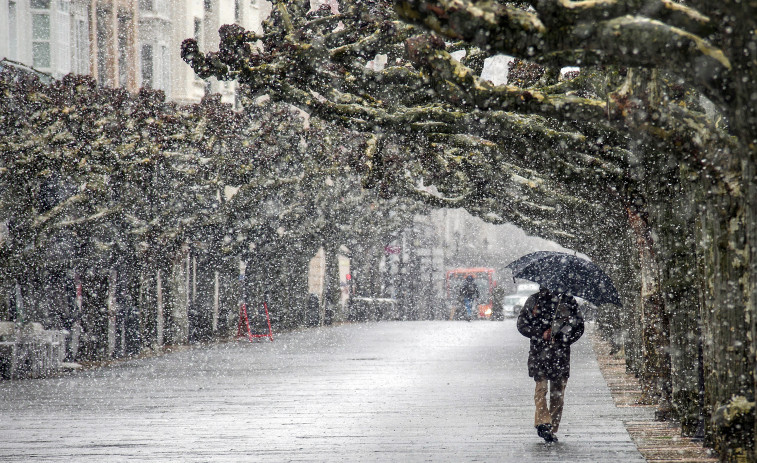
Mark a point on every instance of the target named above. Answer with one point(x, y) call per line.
point(545, 432)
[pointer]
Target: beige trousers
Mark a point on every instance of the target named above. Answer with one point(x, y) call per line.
point(549, 413)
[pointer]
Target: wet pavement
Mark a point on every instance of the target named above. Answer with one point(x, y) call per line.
point(389, 391)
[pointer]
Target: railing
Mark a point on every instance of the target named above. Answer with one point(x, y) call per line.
point(30, 351)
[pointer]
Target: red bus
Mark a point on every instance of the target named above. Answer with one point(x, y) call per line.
point(484, 279)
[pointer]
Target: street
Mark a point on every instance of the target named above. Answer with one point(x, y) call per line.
point(381, 391)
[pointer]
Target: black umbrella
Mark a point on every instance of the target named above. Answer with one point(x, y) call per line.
point(523, 261)
point(564, 273)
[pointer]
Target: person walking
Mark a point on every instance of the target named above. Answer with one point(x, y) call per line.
point(469, 293)
point(552, 322)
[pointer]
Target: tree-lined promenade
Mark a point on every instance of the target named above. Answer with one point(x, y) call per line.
point(643, 160)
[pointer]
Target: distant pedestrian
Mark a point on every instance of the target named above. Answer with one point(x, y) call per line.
point(552, 322)
point(469, 293)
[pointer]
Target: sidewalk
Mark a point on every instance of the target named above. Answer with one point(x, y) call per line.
point(427, 391)
point(657, 441)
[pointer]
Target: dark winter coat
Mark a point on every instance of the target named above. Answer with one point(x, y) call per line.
point(469, 290)
point(550, 359)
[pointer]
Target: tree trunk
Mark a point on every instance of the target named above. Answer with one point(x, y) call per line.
point(655, 375)
point(176, 296)
point(677, 250)
point(146, 303)
point(128, 334)
point(616, 324)
point(229, 297)
point(331, 290)
point(729, 365)
point(95, 316)
point(750, 173)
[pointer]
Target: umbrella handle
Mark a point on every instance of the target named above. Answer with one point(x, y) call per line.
point(554, 317)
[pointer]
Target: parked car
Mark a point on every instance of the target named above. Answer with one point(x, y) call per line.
point(512, 303)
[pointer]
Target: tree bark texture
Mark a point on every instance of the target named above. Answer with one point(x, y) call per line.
point(729, 365)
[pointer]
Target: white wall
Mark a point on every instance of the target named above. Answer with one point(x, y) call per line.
point(5, 28)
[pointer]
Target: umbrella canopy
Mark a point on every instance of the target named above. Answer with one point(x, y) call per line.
point(564, 273)
point(523, 261)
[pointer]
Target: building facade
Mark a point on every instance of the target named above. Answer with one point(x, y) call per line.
point(124, 43)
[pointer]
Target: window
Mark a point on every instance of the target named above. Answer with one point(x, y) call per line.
point(208, 5)
point(41, 40)
point(41, 56)
point(146, 5)
point(237, 11)
point(147, 74)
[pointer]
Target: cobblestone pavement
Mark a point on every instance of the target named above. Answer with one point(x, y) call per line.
point(658, 442)
point(441, 391)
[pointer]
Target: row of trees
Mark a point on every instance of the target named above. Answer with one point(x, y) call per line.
point(644, 160)
point(150, 207)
